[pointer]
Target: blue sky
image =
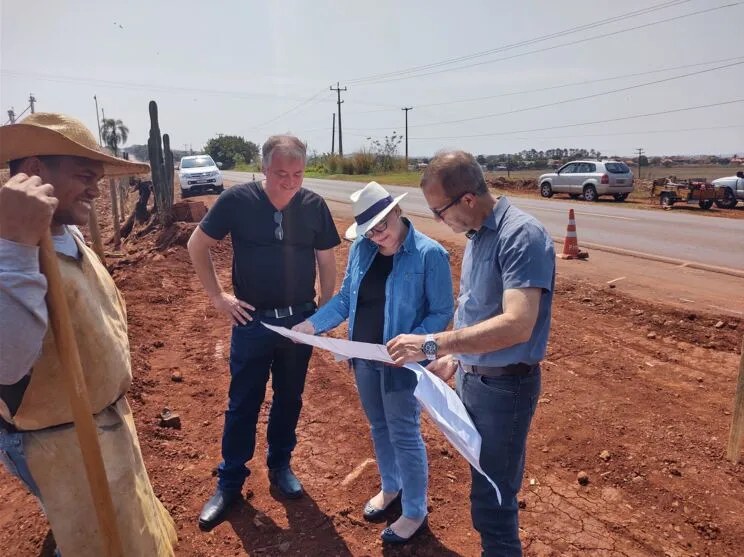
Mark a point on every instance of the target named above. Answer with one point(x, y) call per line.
point(258, 68)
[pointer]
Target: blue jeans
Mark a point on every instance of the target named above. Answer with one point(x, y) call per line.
point(502, 409)
point(394, 419)
point(14, 459)
point(254, 352)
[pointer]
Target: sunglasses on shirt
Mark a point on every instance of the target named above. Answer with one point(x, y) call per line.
point(278, 231)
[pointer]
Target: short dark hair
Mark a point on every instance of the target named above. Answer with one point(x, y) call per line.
point(49, 160)
point(457, 171)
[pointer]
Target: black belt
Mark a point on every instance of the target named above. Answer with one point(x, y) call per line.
point(511, 369)
point(279, 313)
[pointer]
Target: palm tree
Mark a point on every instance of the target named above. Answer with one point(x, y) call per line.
point(114, 133)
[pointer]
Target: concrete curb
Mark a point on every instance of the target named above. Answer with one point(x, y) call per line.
point(659, 258)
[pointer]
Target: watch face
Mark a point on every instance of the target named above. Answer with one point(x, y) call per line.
point(430, 348)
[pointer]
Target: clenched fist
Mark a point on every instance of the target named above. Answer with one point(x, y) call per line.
point(26, 209)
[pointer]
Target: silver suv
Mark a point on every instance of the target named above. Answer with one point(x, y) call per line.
point(589, 179)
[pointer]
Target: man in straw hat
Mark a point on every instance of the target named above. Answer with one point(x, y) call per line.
point(500, 334)
point(55, 166)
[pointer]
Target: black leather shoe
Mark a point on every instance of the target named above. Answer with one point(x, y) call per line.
point(388, 536)
point(215, 510)
point(286, 482)
point(373, 514)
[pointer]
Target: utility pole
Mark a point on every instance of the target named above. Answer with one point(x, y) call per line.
point(98, 120)
point(333, 135)
point(340, 132)
point(640, 154)
point(11, 115)
point(406, 109)
point(508, 166)
point(31, 101)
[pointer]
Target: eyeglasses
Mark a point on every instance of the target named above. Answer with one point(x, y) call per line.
point(440, 212)
point(278, 231)
point(379, 229)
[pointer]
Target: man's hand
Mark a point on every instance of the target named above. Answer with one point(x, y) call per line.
point(406, 348)
point(304, 327)
point(444, 368)
point(232, 307)
point(26, 209)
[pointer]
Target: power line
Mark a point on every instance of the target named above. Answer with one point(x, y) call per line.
point(573, 99)
point(541, 38)
point(22, 113)
point(603, 36)
point(283, 114)
point(640, 132)
point(614, 119)
point(606, 135)
point(165, 88)
point(565, 85)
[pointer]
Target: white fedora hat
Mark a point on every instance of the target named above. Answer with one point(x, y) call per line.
point(370, 205)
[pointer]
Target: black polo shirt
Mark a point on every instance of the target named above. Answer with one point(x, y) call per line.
point(268, 272)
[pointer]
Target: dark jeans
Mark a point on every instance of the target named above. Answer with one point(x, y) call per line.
point(502, 409)
point(254, 352)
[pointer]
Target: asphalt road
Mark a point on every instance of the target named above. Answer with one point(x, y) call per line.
point(710, 241)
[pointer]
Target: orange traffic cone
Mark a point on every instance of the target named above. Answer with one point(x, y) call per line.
point(571, 243)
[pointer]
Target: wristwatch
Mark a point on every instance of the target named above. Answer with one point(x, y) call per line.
point(430, 348)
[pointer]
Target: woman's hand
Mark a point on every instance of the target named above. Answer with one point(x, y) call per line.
point(304, 327)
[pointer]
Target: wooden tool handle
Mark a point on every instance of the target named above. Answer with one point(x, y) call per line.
point(59, 318)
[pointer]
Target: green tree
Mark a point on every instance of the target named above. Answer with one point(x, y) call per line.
point(231, 150)
point(386, 151)
point(114, 133)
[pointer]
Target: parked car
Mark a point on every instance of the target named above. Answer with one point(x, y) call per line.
point(199, 173)
point(734, 186)
point(589, 180)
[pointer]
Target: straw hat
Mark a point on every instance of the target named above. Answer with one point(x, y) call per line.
point(370, 205)
point(46, 133)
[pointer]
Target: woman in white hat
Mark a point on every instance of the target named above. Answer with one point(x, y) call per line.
point(397, 281)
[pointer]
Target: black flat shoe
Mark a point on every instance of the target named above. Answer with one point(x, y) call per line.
point(388, 536)
point(373, 514)
point(286, 482)
point(215, 510)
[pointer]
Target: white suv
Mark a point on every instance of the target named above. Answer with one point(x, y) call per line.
point(589, 179)
point(198, 174)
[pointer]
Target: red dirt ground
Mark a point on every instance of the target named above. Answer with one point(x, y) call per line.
point(661, 407)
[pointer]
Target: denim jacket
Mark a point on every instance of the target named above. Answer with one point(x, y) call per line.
point(418, 292)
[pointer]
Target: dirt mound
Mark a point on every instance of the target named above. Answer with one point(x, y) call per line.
point(177, 234)
point(511, 184)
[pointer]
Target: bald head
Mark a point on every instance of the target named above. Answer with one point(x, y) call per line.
point(457, 172)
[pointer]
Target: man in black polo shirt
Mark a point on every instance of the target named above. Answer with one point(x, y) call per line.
point(279, 231)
